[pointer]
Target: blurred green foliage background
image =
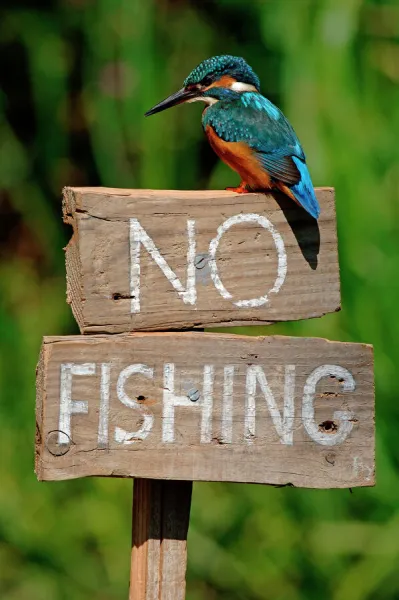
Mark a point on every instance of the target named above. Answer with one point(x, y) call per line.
point(76, 78)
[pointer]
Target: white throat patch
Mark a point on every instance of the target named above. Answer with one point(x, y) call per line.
point(207, 99)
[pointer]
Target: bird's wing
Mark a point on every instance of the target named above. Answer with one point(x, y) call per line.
point(253, 119)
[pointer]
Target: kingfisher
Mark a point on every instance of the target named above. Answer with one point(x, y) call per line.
point(247, 131)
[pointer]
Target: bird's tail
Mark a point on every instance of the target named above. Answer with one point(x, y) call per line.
point(303, 190)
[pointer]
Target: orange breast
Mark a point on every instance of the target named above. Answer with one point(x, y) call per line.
point(240, 158)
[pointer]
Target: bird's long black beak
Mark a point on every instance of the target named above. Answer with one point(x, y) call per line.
point(181, 96)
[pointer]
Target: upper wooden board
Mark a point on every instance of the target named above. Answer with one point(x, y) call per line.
point(198, 406)
point(155, 260)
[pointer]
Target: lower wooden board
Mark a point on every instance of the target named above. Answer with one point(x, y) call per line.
point(209, 407)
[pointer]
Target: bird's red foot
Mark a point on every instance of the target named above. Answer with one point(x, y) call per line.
point(241, 189)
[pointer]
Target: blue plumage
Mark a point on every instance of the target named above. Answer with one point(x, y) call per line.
point(251, 118)
point(246, 130)
point(212, 68)
point(303, 190)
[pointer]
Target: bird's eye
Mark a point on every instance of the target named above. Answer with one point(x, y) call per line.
point(192, 87)
point(207, 80)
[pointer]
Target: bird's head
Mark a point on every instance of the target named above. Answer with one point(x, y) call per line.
point(204, 82)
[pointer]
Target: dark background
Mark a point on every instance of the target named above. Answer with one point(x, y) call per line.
point(76, 78)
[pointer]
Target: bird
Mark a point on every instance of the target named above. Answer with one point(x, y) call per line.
point(246, 130)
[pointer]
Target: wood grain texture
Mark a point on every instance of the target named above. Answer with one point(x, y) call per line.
point(161, 513)
point(99, 264)
point(227, 426)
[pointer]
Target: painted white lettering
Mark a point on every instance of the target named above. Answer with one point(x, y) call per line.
point(171, 401)
point(281, 258)
point(104, 405)
point(139, 236)
point(227, 407)
point(344, 417)
point(207, 405)
point(124, 437)
point(68, 406)
point(284, 425)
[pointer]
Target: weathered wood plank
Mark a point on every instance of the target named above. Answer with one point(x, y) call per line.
point(215, 407)
point(233, 259)
point(161, 512)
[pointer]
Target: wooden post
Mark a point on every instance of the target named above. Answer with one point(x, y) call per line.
point(161, 512)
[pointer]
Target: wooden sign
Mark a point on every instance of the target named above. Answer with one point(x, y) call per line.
point(157, 260)
point(195, 406)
